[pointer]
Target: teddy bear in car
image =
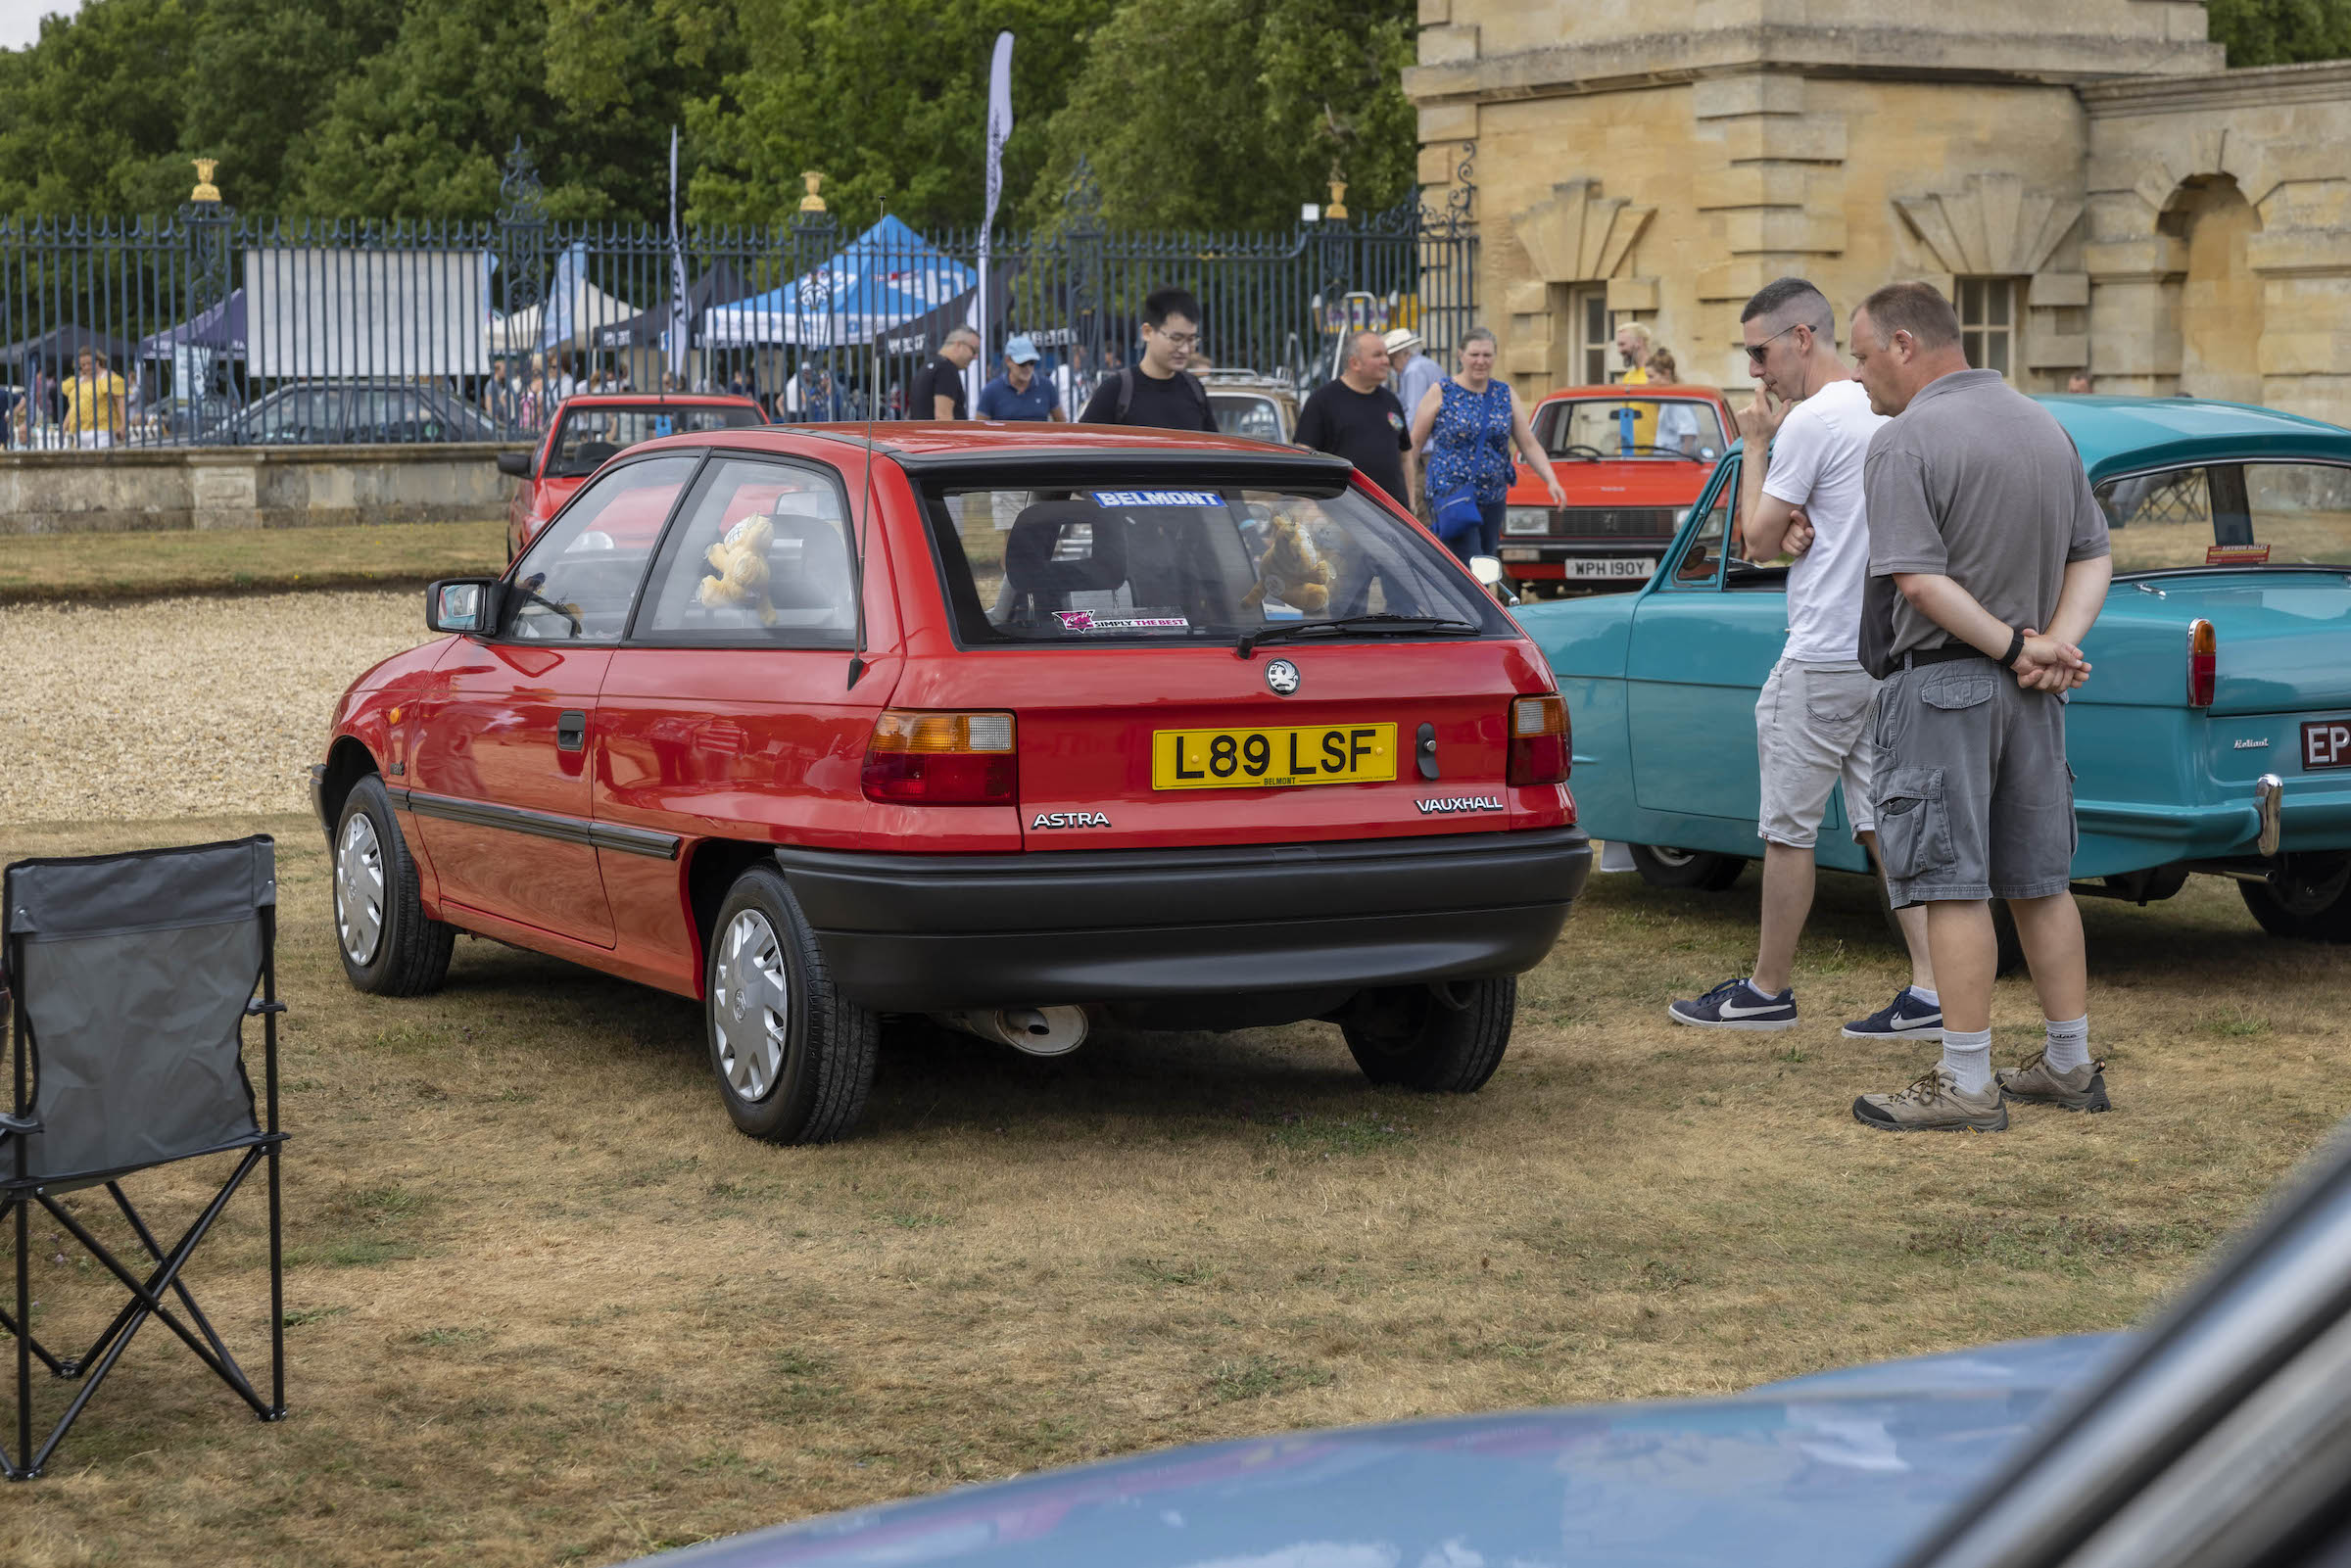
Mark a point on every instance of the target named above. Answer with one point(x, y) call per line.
point(1290, 570)
point(737, 573)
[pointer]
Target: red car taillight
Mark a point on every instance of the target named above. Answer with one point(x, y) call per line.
point(1539, 741)
point(2203, 663)
point(942, 759)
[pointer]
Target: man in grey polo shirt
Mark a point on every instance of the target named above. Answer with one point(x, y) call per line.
point(1986, 554)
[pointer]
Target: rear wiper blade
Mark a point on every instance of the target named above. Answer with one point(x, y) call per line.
point(1377, 624)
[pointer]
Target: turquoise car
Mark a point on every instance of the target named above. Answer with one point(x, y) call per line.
point(2215, 735)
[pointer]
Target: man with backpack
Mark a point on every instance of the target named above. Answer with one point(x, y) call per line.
point(1158, 391)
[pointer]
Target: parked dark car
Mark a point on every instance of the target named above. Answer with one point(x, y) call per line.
point(2218, 1436)
point(314, 412)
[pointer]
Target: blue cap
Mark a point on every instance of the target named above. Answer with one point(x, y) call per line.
point(1021, 350)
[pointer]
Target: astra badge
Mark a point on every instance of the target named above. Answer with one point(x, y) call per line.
point(1068, 819)
point(1452, 803)
point(1283, 676)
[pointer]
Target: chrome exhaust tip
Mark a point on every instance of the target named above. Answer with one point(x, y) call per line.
point(1030, 1030)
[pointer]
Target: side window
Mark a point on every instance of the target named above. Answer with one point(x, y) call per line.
point(2159, 520)
point(1700, 564)
point(761, 557)
point(578, 578)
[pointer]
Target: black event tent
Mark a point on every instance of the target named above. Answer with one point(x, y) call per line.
point(719, 285)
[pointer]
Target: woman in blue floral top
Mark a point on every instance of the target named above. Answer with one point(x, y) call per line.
point(1467, 425)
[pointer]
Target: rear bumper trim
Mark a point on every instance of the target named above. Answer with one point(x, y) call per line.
point(934, 933)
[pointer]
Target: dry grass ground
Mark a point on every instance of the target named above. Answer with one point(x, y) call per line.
point(547, 1306)
point(102, 566)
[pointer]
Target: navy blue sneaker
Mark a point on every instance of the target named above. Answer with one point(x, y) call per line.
point(1904, 1018)
point(1737, 1005)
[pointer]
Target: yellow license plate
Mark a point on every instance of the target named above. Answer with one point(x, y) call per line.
point(1257, 759)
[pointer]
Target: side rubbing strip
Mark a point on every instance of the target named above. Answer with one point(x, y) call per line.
point(612, 836)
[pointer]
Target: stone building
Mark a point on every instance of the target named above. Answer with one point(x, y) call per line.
point(2083, 177)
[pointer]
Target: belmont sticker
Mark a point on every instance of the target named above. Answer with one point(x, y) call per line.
point(1116, 621)
point(1158, 497)
point(1454, 803)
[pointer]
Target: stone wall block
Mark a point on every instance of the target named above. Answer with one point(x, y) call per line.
point(1634, 294)
point(1449, 45)
point(1447, 122)
point(1787, 138)
point(1723, 97)
point(2298, 251)
point(1436, 13)
point(2052, 289)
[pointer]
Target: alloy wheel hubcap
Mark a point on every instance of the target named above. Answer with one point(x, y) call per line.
point(359, 890)
point(751, 1006)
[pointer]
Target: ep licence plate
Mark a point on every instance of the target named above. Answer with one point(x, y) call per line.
point(2327, 744)
point(1257, 759)
point(1641, 567)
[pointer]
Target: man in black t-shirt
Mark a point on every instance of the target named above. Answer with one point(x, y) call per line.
point(1358, 418)
point(938, 392)
point(1158, 391)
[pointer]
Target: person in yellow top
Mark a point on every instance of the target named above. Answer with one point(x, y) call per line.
point(97, 411)
point(1633, 342)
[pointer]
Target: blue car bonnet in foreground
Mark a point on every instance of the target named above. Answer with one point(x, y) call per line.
point(1846, 1467)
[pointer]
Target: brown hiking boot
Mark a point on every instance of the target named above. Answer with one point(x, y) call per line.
point(2036, 1082)
point(1934, 1104)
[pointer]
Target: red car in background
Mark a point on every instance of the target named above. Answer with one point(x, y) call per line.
point(589, 431)
point(1027, 728)
point(1631, 459)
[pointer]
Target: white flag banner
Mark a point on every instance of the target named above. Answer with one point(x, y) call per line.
point(681, 316)
point(1000, 131)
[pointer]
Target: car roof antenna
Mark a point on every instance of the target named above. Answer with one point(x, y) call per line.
point(857, 663)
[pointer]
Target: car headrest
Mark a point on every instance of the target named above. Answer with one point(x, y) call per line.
point(1029, 563)
point(594, 453)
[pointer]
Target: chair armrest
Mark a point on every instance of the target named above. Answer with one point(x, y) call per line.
point(255, 1008)
point(9, 1123)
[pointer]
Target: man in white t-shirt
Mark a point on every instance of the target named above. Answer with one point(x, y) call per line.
point(1813, 721)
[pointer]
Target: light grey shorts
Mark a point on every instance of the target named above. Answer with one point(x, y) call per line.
point(1974, 797)
point(1812, 727)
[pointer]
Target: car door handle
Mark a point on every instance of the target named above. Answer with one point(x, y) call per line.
point(571, 731)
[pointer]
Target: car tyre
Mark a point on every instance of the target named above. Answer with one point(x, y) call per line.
point(793, 1058)
point(1697, 869)
point(1446, 1038)
point(388, 945)
point(2308, 908)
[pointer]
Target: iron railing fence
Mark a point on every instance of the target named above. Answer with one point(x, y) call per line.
point(211, 327)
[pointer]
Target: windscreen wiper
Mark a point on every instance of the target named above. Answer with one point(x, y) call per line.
point(1378, 624)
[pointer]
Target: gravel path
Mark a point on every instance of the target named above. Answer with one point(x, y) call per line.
point(180, 707)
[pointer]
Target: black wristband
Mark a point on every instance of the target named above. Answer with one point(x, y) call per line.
point(2016, 647)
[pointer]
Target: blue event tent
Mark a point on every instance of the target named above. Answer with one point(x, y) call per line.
point(219, 329)
point(881, 280)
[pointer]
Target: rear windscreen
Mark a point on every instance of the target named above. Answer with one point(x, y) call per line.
point(588, 438)
point(1183, 562)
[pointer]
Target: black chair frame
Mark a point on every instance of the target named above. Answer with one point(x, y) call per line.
point(151, 1295)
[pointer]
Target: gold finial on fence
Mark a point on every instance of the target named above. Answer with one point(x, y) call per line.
point(206, 190)
point(1336, 212)
point(812, 203)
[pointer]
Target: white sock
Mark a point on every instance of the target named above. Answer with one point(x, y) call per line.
point(1768, 996)
point(2069, 1044)
point(1967, 1057)
point(1929, 997)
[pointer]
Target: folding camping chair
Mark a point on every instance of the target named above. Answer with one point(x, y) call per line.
point(133, 975)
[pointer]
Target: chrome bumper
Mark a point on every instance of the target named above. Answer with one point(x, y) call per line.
point(2268, 794)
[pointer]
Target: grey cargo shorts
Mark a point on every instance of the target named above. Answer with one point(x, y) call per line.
point(1973, 794)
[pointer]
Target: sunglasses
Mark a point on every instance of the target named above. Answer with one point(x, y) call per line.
point(1757, 352)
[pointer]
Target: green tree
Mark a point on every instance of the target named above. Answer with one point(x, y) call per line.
point(88, 115)
point(590, 87)
point(1230, 113)
point(890, 99)
point(2279, 33)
